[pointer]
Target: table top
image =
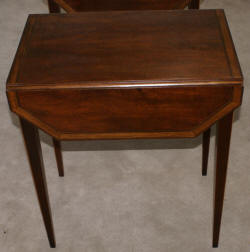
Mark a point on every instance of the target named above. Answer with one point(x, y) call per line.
point(125, 48)
point(86, 5)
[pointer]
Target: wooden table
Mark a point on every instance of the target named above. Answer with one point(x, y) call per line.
point(117, 75)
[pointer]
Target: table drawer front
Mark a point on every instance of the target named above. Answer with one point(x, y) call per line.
point(91, 111)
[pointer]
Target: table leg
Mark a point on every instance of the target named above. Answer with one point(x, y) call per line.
point(205, 151)
point(53, 7)
point(34, 152)
point(58, 153)
point(194, 4)
point(224, 128)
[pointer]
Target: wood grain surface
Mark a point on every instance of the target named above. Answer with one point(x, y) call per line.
point(125, 48)
point(125, 110)
point(125, 74)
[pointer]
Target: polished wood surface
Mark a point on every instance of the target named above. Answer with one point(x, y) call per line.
point(224, 128)
point(138, 74)
point(125, 49)
point(33, 147)
point(104, 113)
point(83, 5)
point(108, 5)
point(135, 65)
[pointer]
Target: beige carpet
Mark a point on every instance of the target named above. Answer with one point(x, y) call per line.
point(123, 196)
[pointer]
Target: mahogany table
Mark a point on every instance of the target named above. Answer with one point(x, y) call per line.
point(126, 74)
point(72, 6)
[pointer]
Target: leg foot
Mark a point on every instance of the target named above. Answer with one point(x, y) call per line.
point(53, 7)
point(34, 152)
point(224, 128)
point(194, 4)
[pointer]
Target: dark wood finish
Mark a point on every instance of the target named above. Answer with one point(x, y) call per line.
point(108, 5)
point(80, 5)
point(149, 43)
point(138, 74)
point(223, 143)
point(59, 159)
point(205, 151)
point(156, 63)
point(53, 7)
point(194, 4)
point(34, 152)
point(105, 112)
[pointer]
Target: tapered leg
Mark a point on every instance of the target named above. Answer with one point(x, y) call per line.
point(58, 153)
point(194, 4)
point(224, 128)
point(33, 147)
point(53, 7)
point(205, 151)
